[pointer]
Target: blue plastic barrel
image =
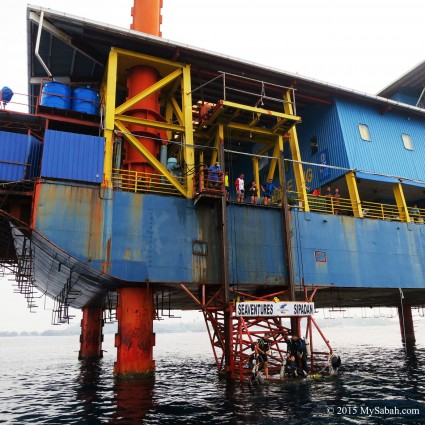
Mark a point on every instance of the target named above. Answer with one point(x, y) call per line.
point(56, 95)
point(85, 100)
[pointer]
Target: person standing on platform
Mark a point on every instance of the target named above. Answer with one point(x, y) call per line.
point(253, 192)
point(226, 185)
point(262, 348)
point(213, 175)
point(268, 188)
point(240, 188)
point(328, 195)
point(336, 201)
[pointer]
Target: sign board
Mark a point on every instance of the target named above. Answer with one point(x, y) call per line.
point(272, 309)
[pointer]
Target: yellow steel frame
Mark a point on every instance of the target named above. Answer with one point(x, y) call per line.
point(175, 74)
point(350, 178)
point(115, 118)
point(296, 155)
point(401, 203)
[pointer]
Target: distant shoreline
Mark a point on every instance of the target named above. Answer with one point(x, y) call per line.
point(196, 326)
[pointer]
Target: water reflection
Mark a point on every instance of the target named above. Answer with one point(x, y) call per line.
point(133, 399)
point(87, 389)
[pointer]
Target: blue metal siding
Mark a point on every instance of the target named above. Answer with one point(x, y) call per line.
point(69, 216)
point(72, 156)
point(153, 236)
point(385, 153)
point(359, 252)
point(19, 156)
point(256, 245)
point(323, 123)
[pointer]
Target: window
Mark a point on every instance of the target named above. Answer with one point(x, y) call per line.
point(364, 132)
point(407, 142)
point(313, 145)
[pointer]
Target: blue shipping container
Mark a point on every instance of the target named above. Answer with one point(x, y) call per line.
point(71, 156)
point(19, 156)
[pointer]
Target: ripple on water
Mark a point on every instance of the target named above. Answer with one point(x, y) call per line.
point(187, 390)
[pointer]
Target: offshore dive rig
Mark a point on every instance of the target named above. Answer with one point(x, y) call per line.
point(110, 204)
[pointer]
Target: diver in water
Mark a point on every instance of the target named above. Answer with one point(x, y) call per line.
point(297, 348)
point(291, 368)
point(334, 364)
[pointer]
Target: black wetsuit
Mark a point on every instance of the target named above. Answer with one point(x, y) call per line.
point(296, 347)
point(264, 345)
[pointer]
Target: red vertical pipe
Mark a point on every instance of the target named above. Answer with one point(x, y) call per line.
point(91, 333)
point(406, 327)
point(135, 338)
point(146, 18)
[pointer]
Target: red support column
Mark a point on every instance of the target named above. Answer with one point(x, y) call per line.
point(296, 326)
point(135, 338)
point(406, 328)
point(91, 333)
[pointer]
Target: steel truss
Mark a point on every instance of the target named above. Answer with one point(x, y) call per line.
point(244, 332)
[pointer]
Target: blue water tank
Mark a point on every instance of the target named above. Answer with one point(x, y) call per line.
point(85, 100)
point(56, 95)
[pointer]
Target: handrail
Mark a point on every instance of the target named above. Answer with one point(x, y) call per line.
point(343, 206)
point(138, 181)
point(209, 182)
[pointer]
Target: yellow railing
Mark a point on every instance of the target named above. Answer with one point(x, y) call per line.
point(330, 205)
point(381, 211)
point(417, 215)
point(343, 206)
point(138, 181)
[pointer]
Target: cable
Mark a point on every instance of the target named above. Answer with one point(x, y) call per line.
point(402, 315)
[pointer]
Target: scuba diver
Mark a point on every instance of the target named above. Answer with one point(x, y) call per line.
point(297, 348)
point(262, 348)
point(259, 360)
point(291, 369)
point(334, 364)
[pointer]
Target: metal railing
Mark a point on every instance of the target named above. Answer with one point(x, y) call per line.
point(343, 206)
point(417, 215)
point(138, 181)
point(381, 211)
point(209, 182)
point(260, 92)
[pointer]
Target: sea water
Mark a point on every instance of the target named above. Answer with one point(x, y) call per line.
point(42, 382)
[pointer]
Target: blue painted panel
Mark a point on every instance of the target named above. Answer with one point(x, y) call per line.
point(155, 234)
point(256, 245)
point(71, 217)
point(358, 252)
point(385, 153)
point(163, 239)
point(19, 156)
point(153, 238)
point(323, 123)
point(71, 156)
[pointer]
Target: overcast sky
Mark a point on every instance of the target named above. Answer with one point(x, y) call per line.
point(358, 44)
